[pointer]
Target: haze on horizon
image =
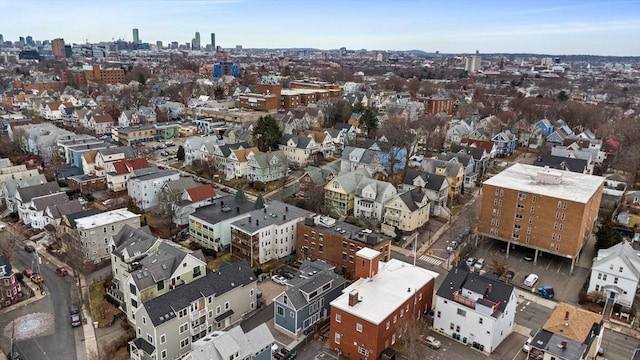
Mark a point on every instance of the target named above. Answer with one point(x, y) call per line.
point(461, 26)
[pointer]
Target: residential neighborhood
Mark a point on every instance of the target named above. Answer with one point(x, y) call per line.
point(191, 201)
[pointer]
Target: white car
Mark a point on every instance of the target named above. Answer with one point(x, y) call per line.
point(279, 279)
point(479, 264)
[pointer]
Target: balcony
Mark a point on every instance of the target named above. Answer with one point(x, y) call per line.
point(198, 313)
point(457, 297)
point(390, 216)
point(195, 330)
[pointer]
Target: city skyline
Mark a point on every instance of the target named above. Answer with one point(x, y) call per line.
point(543, 27)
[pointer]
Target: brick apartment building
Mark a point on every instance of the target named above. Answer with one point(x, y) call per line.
point(337, 242)
point(370, 314)
point(438, 104)
point(266, 98)
point(540, 208)
point(81, 76)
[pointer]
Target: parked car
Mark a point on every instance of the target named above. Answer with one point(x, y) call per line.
point(279, 279)
point(479, 264)
point(286, 274)
point(470, 261)
point(14, 356)
point(28, 273)
point(529, 257)
point(527, 346)
point(509, 275)
point(62, 271)
point(452, 246)
point(74, 309)
point(530, 280)
point(430, 341)
point(76, 320)
point(546, 292)
point(28, 248)
point(227, 190)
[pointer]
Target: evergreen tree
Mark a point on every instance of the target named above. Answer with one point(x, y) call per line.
point(180, 153)
point(607, 236)
point(370, 120)
point(267, 133)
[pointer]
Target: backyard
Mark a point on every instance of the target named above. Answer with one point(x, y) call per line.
point(102, 311)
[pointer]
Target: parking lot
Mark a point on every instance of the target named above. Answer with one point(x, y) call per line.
point(552, 270)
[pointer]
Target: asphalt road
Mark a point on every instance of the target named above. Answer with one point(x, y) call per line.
point(59, 342)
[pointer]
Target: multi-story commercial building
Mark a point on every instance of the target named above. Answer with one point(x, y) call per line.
point(80, 77)
point(337, 243)
point(93, 233)
point(268, 232)
point(475, 309)
point(541, 209)
point(136, 36)
point(374, 311)
point(167, 325)
point(570, 333)
point(57, 48)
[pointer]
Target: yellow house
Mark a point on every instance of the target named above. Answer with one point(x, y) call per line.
point(340, 192)
point(452, 170)
point(187, 130)
point(406, 212)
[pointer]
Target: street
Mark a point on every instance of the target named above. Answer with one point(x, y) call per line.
point(47, 331)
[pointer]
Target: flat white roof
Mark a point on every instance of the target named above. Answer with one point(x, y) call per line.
point(300, 91)
point(104, 218)
point(367, 253)
point(572, 186)
point(385, 292)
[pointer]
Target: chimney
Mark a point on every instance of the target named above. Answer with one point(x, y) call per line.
point(566, 316)
point(221, 203)
point(284, 217)
point(564, 345)
point(489, 288)
point(257, 222)
point(286, 208)
point(353, 297)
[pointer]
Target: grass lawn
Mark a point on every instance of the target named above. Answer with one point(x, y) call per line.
point(101, 310)
point(213, 264)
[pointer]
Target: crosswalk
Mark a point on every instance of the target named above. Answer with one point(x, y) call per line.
point(432, 260)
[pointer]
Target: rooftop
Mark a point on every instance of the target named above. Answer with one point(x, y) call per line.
point(566, 185)
point(385, 292)
point(105, 218)
point(572, 322)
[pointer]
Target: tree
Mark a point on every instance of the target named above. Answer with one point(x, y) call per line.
point(411, 330)
point(218, 92)
point(498, 266)
point(607, 236)
point(267, 133)
point(180, 153)
point(370, 121)
point(563, 96)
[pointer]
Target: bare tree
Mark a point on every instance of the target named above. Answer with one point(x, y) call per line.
point(411, 331)
point(498, 266)
point(8, 244)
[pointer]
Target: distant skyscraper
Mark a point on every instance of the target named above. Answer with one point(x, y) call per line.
point(2, 38)
point(136, 36)
point(29, 41)
point(174, 44)
point(57, 48)
point(196, 43)
point(472, 64)
point(159, 44)
point(21, 40)
point(213, 41)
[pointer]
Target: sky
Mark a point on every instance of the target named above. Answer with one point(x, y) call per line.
point(560, 27)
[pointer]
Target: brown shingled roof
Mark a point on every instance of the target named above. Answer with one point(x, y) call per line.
point(571, 322)
point(241, 154)
point(90, 156)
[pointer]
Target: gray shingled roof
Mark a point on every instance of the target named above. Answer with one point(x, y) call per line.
point(561, 163)
point(379, 186)
point(264, 159)
point(350, 180)
point(276, 212)
point(58, 210)
point(12, 185)
point(161, 263)
point(460, 278)
point(301, 141)
point(223, 208)
point(164, 307)
point(81, 214)
point(30, 192)
point(133, 241)
point(412, 198)
point(430, 165)
point(476, 152)
point(42, 202)
point(295, 293)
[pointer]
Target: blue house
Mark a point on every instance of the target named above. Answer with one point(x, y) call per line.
point(307, 299)
point(506, 143)
point(545, 126)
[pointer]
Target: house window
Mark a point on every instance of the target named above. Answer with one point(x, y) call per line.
point(338, 318)
point(163, 338)
point(358, 327)
point(597, 287)
point(280, 311)
point(599, 276)
point(163, 354)
point(620, 269)
point(615, 280)
point(439, 313)
point(462, 312)
point(337, 338)
point(387, 325)
point(604, 277)
point(480, 320)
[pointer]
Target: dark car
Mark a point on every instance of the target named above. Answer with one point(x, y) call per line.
point(509, 275)
point(74, 309)
point(75, 320)
point(287, 274)
point(546, 292)
point(62, 271)
point(28, 248)
point(227, 190)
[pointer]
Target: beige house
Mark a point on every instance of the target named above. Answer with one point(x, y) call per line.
point(406, 212)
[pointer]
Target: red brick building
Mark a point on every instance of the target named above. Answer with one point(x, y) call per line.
point(371, 313)
point(337, 242)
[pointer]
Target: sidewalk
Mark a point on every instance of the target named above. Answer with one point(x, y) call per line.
point(38, 295)
point(90, 340)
